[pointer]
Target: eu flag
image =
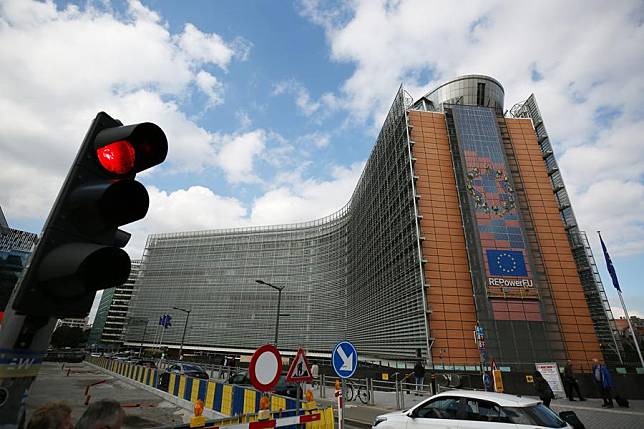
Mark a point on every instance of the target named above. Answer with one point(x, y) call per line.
point(506, 263)
point(609, 265)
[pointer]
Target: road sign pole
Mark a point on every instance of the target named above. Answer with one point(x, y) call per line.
point(299, 399)
point(343, 389)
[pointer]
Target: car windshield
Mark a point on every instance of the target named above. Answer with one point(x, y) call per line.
point(537, 414)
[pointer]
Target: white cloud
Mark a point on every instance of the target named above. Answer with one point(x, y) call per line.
point(211, 87)
point(302, 97)
point(306, 200)
point(244, 119)
point(309, 106)
point(618, 311)
point(192, 209)
point(60, 66)
point(614, 207)
point(586, 58)
point(237, 154)
point(199, 208)
point(318, 140)
point(204, 47)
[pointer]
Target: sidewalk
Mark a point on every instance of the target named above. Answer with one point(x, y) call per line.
point(142, 408)
point(361, 416)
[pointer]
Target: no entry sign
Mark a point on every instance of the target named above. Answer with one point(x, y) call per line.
point(265, 367)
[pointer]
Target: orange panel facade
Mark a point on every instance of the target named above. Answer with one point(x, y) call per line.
point(576, 325)
point(447, 274)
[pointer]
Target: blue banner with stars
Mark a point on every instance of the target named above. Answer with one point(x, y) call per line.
point(506, 263)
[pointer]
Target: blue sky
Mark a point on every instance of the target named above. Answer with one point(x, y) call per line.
point(272, 108)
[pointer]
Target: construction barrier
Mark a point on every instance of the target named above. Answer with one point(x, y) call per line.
point(241, 403)
point(317, 419)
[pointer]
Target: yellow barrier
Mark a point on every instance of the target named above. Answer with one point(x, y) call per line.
point(210, 393)
point(278, 403)
point(178, 384)
point(194, 395)
point(227, 400)
point(250, 397)
point(182, 386)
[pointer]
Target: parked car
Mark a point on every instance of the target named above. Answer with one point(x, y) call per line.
point(121, 356)
point(466, 409)
point(188, 369)
point(282, 387)
point(146, 362)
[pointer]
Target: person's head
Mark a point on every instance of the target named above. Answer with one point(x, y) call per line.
point(54, 415)
point(595, 361)
point(103, 414)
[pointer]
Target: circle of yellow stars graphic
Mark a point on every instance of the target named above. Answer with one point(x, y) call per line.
point(501, 267)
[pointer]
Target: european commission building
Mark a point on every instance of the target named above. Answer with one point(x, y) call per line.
point(460, 219)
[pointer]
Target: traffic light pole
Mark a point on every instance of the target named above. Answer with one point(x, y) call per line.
point(79, 250)
point(23, 344)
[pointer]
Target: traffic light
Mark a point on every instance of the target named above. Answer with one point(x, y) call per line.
point(79, 251)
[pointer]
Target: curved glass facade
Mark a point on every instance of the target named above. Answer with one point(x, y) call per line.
point(355, 274)
point(453, 225)
point(471, 90)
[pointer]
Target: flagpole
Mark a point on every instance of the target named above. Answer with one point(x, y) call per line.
point(637, 346)
point(613, 275)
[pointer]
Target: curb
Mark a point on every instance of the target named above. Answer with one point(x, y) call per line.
point(186, 405)
point(357, 423)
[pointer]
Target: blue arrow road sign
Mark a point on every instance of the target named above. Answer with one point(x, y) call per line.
point(345, 359)
point(165, 321)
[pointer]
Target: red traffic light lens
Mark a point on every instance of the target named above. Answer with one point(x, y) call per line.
point(117, 157)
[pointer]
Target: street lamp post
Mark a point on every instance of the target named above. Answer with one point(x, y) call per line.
point(143, 338)
point(184, 330)
point(279, 301)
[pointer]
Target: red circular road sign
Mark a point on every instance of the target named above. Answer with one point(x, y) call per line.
point(265, 367)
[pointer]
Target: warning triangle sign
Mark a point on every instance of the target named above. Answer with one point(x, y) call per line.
point(300, 371)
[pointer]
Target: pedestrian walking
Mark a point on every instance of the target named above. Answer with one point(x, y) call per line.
point(543, 389)
point(419, 373)
point(571, 382)
point(315, 373)
point(604, 382)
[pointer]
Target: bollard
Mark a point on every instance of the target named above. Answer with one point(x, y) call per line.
point(370, 389)
point(264, 411)
point(322, 386)
point(338, 395)
point(402, 395)
point(198, 421)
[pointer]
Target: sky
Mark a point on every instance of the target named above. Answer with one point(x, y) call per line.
point(272, 108)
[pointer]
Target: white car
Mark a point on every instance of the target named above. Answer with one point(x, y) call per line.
point(465, 409)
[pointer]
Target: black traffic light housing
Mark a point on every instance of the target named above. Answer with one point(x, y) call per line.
point(79, 251)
